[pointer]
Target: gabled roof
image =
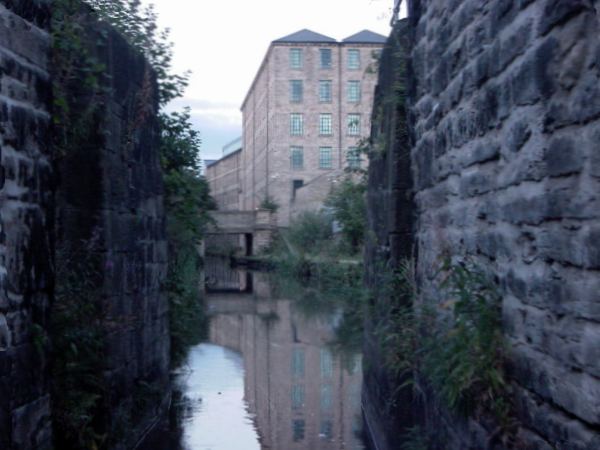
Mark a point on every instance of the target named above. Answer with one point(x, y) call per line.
point(305, 36)
point(365, 37)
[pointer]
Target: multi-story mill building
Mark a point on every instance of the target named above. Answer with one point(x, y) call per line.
point(306, 111)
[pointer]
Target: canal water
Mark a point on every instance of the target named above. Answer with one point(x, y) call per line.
point(271, 375)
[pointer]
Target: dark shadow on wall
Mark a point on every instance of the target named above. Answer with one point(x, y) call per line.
point(389, 241)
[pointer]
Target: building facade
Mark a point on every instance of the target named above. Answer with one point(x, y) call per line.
point(223, 176)
point(304, 116)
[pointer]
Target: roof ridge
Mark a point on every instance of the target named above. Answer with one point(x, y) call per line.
point(305, 35)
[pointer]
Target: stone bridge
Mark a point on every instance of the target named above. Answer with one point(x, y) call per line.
point(241, 232)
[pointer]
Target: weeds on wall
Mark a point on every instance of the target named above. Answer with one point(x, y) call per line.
point(456, 346)
point(75, 70)
point(465, 356)
point(397, 323)
point(415, 438)
point(78, 343)
point(76, 327)
point(269, 204)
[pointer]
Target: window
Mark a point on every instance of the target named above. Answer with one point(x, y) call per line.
point(296, 91)
point(326, 397)
point(298, 427)
point(354, 91)
point(295, 58)
point(296, 124)
point(326, 363)
point(297, 158)
point(353, 124)
point(326, 430)
point(325, 91)
point(353, 59)
point(353, 158)
point(325, 124)
point(325, 58)
point(297, 396)
point(325, 158)
point(296, 184)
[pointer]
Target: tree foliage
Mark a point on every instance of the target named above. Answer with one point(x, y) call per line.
point(139, 25)
point(347, 202)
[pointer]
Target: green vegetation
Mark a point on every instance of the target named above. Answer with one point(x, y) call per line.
point(76, 328)
point(311, 233)
point(320, 270)
point(187, 203)
point(78, 348)
point(465, 358)
point(415, 439)
point(334, 290)
point(310, 238)
point(347, 202)
point(269, 204)
point(456, 346)
point(75, 69)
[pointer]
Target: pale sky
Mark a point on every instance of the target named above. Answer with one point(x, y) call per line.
point(223, 43)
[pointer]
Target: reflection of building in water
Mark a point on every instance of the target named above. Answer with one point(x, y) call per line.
point(301, 393)
point(220, 276)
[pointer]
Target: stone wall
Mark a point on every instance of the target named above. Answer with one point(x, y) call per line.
point(390, 240)
point(505, 122)
point(108, 203)
point(111, 213)
point(25, 221)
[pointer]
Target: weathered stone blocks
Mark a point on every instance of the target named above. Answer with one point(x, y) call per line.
point(112, 197)
point(505, 113)
point(25, 201)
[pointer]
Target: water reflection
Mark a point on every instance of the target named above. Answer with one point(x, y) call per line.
point(303, 395)
point(213, 388)
point(268, 379)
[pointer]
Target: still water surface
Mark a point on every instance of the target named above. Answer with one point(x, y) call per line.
point(267, 378)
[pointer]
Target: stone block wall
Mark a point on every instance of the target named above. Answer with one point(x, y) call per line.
point(390, 239)
point(105, 196)
point(505, 123)
point(26, 198)
point(110, 203)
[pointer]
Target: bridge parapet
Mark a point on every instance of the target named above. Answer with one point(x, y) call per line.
point(241, 222)
point(254, 230)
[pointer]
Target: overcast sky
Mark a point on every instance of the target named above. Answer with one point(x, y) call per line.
point(224, 41)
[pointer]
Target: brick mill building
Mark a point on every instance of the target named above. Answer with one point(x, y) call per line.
point(303, 117)
point(223, 176)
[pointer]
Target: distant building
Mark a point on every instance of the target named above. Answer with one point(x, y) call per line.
point(223, 176)
point(306, 111)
